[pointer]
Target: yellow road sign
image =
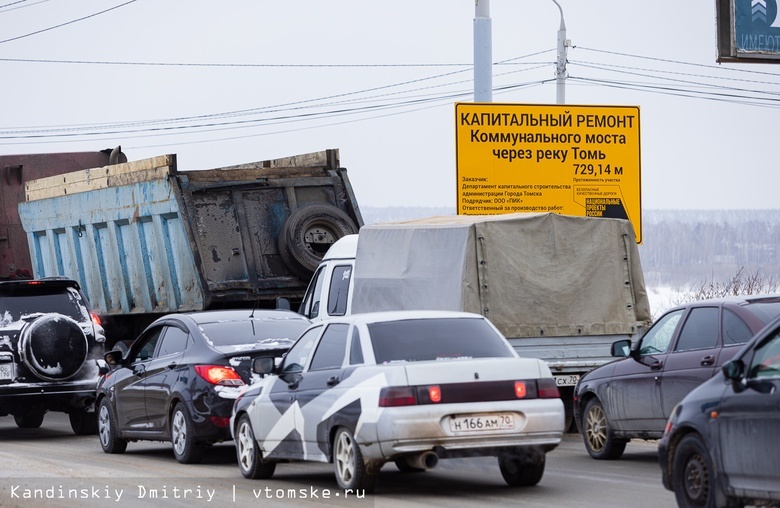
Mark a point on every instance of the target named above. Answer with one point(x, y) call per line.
point(574, 160)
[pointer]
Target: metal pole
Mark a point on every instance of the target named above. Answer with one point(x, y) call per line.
point(560, 68)
point(483, 52)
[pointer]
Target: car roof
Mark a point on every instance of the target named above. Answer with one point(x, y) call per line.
point(402, 315)
point(734, 299)
point(215, 316)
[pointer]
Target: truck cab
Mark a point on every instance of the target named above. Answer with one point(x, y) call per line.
point(330, 291)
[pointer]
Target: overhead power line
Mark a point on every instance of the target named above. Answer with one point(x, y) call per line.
point(66, 23)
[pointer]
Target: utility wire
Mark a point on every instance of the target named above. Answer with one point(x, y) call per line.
point(66, 23)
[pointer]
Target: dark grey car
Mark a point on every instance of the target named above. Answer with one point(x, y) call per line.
point(634, 396)
point(721, 447)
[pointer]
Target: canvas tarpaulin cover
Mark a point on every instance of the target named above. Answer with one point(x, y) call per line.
point(531, 274)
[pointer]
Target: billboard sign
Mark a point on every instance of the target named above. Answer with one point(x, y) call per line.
point(573, 160)
point(748, 31)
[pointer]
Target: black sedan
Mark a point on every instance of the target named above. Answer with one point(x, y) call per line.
point(180, 378)
point(634, 396)
point(720, 447)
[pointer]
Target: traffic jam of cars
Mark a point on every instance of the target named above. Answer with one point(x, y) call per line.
point(409, 388)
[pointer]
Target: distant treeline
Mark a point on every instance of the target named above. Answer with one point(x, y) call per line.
point(680, 249)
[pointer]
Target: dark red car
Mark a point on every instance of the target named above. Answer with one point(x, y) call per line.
point(634, 396)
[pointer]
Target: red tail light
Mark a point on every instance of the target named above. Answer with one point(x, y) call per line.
point(220, 421)
point(520, 389)
point(434, 393)
point(394, 396)
point(548, 389)
point(96, 319)
point(219, 375)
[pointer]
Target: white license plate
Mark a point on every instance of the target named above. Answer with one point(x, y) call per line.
point(6, 371)
point(483, 422)
point(568, 380)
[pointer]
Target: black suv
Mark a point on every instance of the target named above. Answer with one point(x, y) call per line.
point(49, 346)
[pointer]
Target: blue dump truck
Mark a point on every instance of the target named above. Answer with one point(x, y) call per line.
point(144, 238)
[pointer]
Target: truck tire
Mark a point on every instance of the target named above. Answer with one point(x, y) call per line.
point(53, 347)
point(308, 233)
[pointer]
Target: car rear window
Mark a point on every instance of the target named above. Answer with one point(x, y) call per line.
point(766, 310)
point(22, 303)
point(233, 333)
point(417, 340)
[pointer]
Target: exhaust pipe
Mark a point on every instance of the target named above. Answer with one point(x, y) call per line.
point(424, 460)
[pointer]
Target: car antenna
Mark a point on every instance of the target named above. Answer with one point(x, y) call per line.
point(254, 308)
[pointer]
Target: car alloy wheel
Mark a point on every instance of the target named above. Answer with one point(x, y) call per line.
point(599, 440)
point(250, 462)
point(186, 450)
point(348, 461)
point(107, 431)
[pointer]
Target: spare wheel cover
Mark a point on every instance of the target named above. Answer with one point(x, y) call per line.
point(54, 347)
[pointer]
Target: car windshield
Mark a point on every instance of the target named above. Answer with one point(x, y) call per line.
point(65, 302)
point(254, 331)
point(417, 340)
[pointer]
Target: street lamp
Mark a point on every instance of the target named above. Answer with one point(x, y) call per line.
point(483, 52)
point(560, 67)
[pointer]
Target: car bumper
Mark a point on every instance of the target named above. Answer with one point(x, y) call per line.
point(663, 461)
point(412, 429)
point(53, 396)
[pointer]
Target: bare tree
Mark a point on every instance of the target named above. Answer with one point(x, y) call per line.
point(744, 282)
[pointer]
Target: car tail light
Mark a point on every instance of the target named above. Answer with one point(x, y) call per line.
point(547, 389)
point(219, 375)
point(520, 389)
point(393, 396)
point(95, 319)
point(220, 421)
point(434, 393)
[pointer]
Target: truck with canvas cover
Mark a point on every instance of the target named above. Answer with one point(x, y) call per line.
point(560, 288)
point(144, 238)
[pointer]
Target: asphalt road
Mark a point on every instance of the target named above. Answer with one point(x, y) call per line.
point(50, 467)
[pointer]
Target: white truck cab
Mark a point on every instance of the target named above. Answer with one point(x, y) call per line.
point(330, 290)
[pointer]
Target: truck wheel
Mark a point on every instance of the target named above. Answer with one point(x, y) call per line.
point(519, 471)
point(29, 420)
point(53, 347)
point(83, 423)
point(108, 431)
point(308, 233)
point(348, 461)
point(599, 439)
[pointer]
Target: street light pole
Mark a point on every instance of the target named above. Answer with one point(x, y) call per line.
point(483, 52)
point(560, 67)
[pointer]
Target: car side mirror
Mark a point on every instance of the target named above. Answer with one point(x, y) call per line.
point(103, 367)
point(734, 370)
point(283, 303)
point(263, 365)
point(621, 348)
point(113, 358)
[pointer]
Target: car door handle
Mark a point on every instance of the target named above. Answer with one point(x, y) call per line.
point(657, 366)
point(333, 381)
point(708, 361)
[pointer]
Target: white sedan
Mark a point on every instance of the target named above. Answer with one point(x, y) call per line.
point(411, 387)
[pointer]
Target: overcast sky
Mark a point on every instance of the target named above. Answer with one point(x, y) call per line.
point(247, 80)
